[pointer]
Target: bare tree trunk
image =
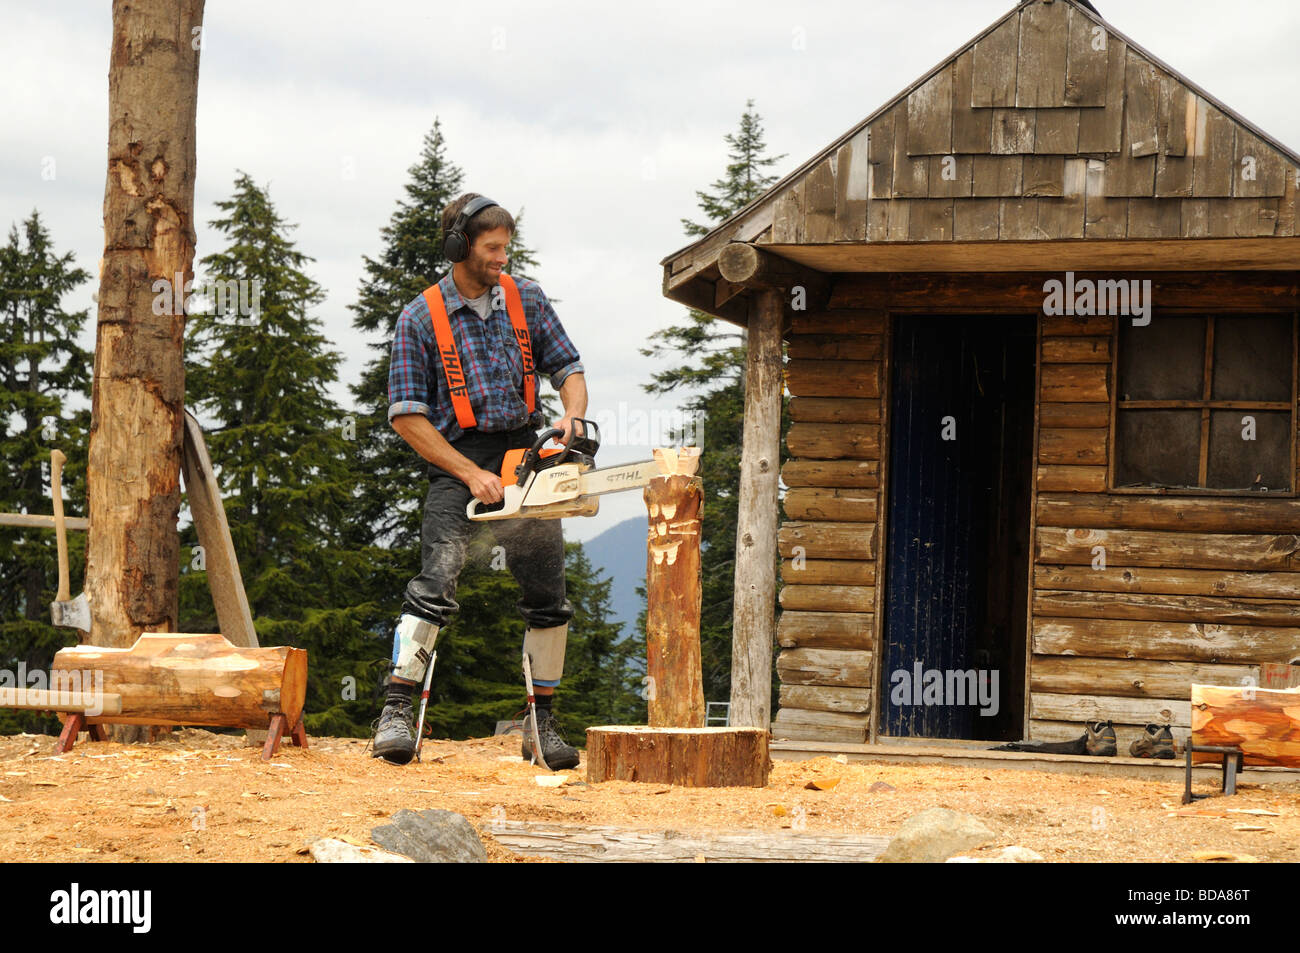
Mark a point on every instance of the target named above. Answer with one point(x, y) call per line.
point(137, 411)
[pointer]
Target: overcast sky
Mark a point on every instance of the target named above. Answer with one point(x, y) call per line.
point(600, 119)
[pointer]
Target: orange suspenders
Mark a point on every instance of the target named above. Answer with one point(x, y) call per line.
point(456, 383)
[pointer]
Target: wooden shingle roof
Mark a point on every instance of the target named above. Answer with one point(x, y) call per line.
point(1049, 126)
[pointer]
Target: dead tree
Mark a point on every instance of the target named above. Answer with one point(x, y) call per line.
point(137, 411)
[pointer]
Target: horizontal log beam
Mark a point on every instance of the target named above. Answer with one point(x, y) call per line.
point(834, 347)
point(826, 698)
point(1195, 582)
point(1056, 415)
point(1171, 550)
point(841, 321)
point(819, 540)
point(829, 572)
point(834, 667)
point(827, 719)
point(842, 505)
point(1075, 383)
point(813, 598)
point(834, 441)
point(1184, 514)
point(1172, 641)
point(966, 293)
point(834, 410)
point(1072, 447)
point(1123, 711)
point(1073, 479)
point(745, 264)
point(856, 379)
point(1162, 607)
point(1132, 678)
point(1076, 350)
point(827, 630)
point(831, 473)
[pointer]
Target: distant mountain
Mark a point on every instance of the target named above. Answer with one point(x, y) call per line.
point(619, 552)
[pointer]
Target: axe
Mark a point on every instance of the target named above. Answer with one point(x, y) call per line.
point(64, 610)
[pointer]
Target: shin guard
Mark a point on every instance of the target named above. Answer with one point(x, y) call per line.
point(545, 649)
point(413, 643)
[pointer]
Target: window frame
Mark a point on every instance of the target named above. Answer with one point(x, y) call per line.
point(1206, 405)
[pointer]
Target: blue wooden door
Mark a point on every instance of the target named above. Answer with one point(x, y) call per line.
point(960, 430)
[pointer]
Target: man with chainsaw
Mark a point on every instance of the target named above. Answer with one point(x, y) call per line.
point(462, 392)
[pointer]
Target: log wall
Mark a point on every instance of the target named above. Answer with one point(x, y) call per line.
point(829, 542)
point(1135, 597)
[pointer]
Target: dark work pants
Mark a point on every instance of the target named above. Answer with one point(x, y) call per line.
point(534, 548)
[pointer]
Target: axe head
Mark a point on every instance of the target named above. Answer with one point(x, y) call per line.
point(73, 614)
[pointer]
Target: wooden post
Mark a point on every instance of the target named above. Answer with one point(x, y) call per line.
point(754, 620)
point(133, 470)
point(673, 499)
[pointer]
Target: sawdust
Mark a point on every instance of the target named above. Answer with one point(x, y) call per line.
point(203, 796)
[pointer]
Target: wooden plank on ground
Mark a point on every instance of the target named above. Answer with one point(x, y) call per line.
point(592, 843)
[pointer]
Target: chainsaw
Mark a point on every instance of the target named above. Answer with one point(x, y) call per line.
point(554, 482)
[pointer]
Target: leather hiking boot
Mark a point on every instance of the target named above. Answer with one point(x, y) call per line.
point(1100, 739)
point(395, 737)
point(1157, 741)
point(557, 754)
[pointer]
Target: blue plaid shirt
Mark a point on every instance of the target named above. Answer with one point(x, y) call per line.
point(489, 355)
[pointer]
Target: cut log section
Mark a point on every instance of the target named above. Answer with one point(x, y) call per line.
point(676, 697)
point(1264, 724)
point(181, 679)
point(690, 757)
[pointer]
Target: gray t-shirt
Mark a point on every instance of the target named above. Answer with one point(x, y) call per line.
point(481, 304)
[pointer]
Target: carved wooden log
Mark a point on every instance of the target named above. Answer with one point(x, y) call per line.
point(1264, 724)
point(691, 757)
point(673, 499)
point(180, 679)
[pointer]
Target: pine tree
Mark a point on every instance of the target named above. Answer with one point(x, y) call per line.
point(41, 368)
point(709, 365)
point(281, 449)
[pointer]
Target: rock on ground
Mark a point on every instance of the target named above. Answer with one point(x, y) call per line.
point(933, 836)
point(432, 837)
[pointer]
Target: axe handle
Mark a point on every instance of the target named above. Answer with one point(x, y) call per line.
point(60, 530)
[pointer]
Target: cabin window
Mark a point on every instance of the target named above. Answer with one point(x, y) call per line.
point(1206, 403)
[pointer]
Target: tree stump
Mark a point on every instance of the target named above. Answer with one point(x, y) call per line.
point(676, 682)
point(1263, 723)
point(690, 757)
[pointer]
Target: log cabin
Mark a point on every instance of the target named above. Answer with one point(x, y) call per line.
point(1036, 318)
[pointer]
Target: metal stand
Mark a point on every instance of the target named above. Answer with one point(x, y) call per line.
point(1233, 761)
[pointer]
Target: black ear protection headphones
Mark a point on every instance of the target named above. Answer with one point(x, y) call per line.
point(455, 244)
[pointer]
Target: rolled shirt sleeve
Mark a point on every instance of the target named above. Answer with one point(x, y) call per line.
point(408, 368)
